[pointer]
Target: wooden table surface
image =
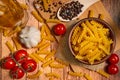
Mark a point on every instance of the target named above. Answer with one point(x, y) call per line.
point(112, 6)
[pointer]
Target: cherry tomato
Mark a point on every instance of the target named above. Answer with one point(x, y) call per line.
point(16, 72)
point(8, 63)
point(113, 59)
point(29, 65)
point(112, 69)
point(59, 29)
point(21, 56)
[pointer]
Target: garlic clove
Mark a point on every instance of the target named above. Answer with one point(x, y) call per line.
point(30, 36)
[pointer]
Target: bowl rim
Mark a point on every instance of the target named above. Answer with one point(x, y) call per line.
point(107, 26)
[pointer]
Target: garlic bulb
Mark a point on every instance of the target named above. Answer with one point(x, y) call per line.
point(30, 36)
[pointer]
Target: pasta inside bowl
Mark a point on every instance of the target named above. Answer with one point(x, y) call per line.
point(92, 41)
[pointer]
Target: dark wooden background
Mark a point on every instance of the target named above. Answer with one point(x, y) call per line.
point(112, 6)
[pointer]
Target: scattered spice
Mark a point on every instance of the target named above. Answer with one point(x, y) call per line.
point(70, 10)
point(51, 8)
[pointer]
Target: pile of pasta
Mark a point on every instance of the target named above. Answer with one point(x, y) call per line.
point(91, 41)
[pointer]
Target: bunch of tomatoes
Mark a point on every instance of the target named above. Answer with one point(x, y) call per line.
point(18, 63)
point(112, 68)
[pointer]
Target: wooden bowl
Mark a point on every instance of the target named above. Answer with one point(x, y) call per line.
point(111, 36)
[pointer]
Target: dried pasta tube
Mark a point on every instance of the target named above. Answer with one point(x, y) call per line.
point(4, 28)
point(17, 44)
point(53, 21)
point(43, 52)
point(83, 32)
point(11, 48)
point(37, 16)
point(47, 63)
point(45, 4)
point(33, 57)
point(52, 74)
point(96, 24)
point(101, 16)
point(5, 32)
point(50, 55)
point(103, 73)
point(52, 65)
point(24, 6)
point(49, 1)
point(51, 78)
point(47, 30)
point(87, 77)
point(44, 46)
point(35, 75)
point(38, 57)
point(61, 62)
point(91, 13)
point(75, 74)
point(49, 38)
point(43, 42)
point(17, 29)
point(75, 32)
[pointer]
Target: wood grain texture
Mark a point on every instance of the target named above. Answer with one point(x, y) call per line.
point(0, 54)
point(113, 7)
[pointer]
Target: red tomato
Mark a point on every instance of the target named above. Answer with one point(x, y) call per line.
point(16, 72)
point(21, 56)
point(112, 69)
point(113, 59)
point(8, 63)
point(29, 65)
point(59, 29)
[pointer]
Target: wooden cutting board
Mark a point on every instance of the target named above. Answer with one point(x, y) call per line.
point(98, 8)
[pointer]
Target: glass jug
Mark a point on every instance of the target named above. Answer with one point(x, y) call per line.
point(11, 13)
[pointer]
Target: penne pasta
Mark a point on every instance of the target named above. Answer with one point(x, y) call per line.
point(87, 77)
point(5, 32)
point(34, 58)
point(101, 16)
point(24, 6)
point(45, 52)
point(45, 4)
point(37, 16)
point(103, 73)
point(75, 74)
point(36, 75)
point(43, 42)
point(61, 61)
point(44, 46)
point(50, 55)
point(53, 21)
point(91, 13)
point(47, 63)
point(17, 44)
point(52, 74)
point(16, 30)
point(52, 65)
point(10, 47)
point(38, 57)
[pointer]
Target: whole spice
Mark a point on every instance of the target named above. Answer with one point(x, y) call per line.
point(70, 10)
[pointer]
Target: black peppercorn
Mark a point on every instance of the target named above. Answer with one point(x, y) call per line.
point(70, 10)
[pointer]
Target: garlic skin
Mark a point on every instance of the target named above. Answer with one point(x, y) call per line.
point(30, 36)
